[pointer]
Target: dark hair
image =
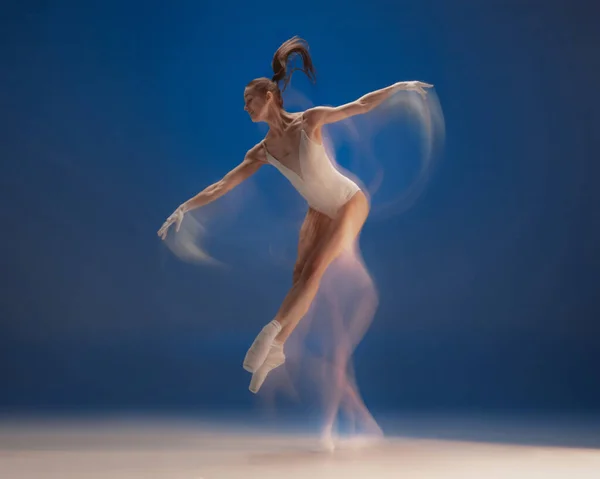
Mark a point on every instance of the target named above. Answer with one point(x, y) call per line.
point(293, 46)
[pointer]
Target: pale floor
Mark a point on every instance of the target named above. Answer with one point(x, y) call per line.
point(178, 450)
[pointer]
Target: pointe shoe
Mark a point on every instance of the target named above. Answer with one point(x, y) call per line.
point(257, 354)
point(274, 359)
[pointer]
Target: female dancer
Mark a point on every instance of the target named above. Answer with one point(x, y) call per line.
point(337, 209)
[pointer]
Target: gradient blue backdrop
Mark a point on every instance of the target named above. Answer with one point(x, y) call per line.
point(112, 114)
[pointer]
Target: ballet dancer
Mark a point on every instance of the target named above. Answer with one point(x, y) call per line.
point(337, 207)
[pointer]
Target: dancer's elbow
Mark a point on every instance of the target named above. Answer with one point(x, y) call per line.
point(236, 176)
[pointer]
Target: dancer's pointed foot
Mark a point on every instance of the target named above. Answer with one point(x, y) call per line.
point(327, 440)
point(275, 358)
point(327, 444)
point(259, 350)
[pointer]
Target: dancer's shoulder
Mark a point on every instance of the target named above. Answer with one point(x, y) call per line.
point(257, 153)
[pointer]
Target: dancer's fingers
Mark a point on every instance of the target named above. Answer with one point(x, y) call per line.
point(163, 231)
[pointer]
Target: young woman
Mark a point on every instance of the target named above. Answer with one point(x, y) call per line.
point(337, 207)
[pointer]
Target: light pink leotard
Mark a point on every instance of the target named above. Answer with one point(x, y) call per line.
point(321, 184)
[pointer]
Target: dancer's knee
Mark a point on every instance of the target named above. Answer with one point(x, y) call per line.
point(312, 271)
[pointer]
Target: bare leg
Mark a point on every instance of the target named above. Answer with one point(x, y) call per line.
point(314, 226)
point(343, 232)
point(265, 349)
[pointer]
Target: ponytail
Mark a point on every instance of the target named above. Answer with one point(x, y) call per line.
point(293, 46)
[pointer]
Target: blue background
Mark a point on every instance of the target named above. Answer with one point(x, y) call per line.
point(113, 114)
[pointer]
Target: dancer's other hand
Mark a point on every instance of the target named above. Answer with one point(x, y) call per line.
point(417, 86)
point(176, 217)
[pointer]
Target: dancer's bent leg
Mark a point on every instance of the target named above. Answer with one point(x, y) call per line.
point(342, 234)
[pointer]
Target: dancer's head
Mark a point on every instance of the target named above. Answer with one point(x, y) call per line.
point(263, 95)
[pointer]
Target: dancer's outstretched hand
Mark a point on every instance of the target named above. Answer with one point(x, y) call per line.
point(176, 217)
point(417, 86)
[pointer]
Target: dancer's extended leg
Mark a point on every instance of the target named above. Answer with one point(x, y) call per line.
point(314, 226)
point(342, 233)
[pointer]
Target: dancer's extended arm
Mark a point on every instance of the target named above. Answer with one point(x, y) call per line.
point(232, 179)
point(323, 115)
point(252, 162)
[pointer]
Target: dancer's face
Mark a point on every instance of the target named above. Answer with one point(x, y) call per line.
point(256, 103)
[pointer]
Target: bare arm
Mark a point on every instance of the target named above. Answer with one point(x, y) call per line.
point(323, 115)
point(243, 171)
point(253, 160)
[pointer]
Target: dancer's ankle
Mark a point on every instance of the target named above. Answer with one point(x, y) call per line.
point(282, 336)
